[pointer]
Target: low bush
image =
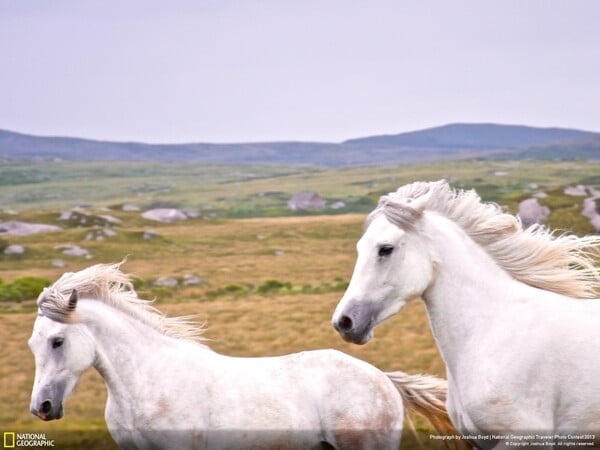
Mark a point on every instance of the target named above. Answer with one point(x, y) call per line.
point(25, 288)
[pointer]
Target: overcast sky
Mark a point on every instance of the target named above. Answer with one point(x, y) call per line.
point(221, 71)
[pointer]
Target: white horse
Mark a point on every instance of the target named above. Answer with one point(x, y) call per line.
point(166, 389)
point(511, 309)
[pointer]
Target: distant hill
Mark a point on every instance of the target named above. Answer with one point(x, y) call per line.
point(473, 136)
point(448, 142)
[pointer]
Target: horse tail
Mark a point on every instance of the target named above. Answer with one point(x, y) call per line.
point(425, 395)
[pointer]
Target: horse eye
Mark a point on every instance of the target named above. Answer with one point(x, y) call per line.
point(385, 250)
point(57, 342)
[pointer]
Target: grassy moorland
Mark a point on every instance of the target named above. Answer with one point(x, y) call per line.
point(256, 191)
point(268, 284)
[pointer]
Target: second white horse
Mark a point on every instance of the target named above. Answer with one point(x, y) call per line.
point(511, 310)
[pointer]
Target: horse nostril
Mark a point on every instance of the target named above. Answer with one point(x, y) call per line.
point(345, 323)
point(46, 407)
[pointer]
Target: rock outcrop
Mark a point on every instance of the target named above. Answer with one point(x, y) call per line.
point(531, 212)
point(17, 228)
point(167, 215)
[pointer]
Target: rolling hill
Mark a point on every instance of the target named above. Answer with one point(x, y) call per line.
point(448, 142)
point(473, 136)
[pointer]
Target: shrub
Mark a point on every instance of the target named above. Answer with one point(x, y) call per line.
point(234, 289)
point(140, 284)
point(25, 288)
point(271, 286)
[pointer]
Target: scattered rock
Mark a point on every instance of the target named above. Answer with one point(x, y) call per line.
point(192, 213)
point(73, 250)
point(531, 212)
point(532, 186)
point(192, 280)
point(128, 207)
point(576, 191)
point(590, 211)
point(338, 205)
point(99, 234)
point(14, 249)
point(166, 282)
point(540, 195)
point(279, 253)
point(149, 234)
point(164, 215)
point(58, 263)
point(65, 215)
point(500, 173)
point(110, 220)
point(596, 223)
point(78, 217)
point(16, 228)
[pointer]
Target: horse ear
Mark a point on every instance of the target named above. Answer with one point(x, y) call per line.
point(73, 301)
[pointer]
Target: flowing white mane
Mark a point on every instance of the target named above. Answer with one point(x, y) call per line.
point(536, 256)
point(106, 283)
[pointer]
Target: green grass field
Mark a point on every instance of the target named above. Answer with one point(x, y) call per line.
point(270, 283)
point(253, 191)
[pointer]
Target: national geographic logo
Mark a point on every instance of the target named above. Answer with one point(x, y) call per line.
point(24, 440)
point(9, 439)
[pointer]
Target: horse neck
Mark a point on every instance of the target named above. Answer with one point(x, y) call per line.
point(129, 353)
point(469, 289)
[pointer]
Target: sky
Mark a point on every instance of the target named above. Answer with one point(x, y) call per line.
point(328, 70)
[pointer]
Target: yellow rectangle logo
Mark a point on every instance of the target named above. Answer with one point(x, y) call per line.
point(9, 439)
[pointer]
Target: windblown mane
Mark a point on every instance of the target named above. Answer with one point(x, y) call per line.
point(106, 283)
point(535, 256)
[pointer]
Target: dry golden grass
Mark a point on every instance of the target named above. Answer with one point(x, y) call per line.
point(315, 249)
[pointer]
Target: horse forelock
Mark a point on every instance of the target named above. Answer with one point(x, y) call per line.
point(55, 305)
point(108, 284)
point(535, 256)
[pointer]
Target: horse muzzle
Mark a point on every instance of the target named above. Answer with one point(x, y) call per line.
point(354, 323)
point(48, 411)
